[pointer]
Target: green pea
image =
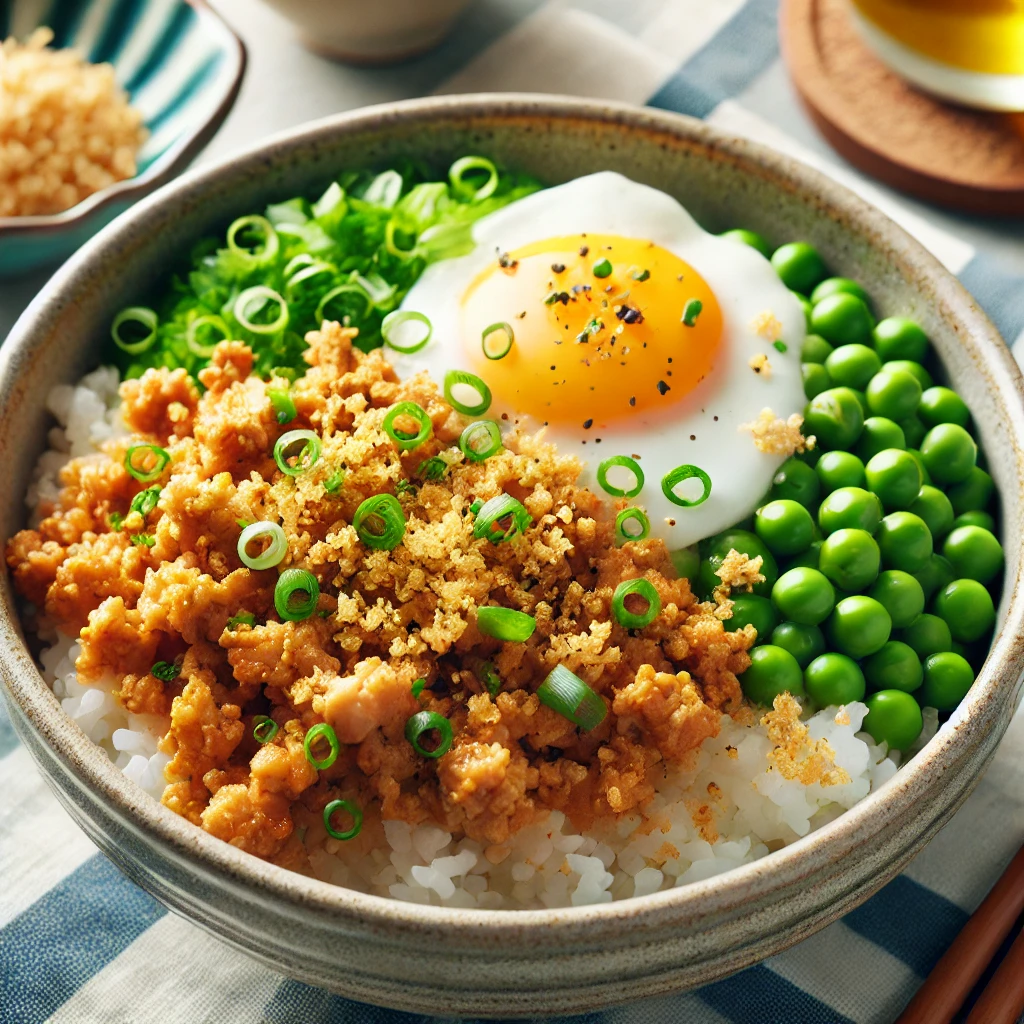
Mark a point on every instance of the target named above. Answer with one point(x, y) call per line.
point(749, 544)
point(796, 481)
point(913, 431)
point(751, 238)
point(925, 478)
point(898, 337)
point(895, 477)
point(850, 508)
point(943, 405)
point(934, 575)
point(804, 595)
point(974, 553)
point(785, 526)
point(850, 559)
point(773, 670)
point(686, 562)
point(935, 509)
point(894, 667)
point(894, 718)
point(927, 634)
point(839, 286)
point(816, 379)
point(893, 393)
point(900, 594)
point(807, 559)
point(879, 434)
point(799, 266)
point(967, 609)
point(839, 469)
point(853, 365)
point(752, 610)
point(975, 518)
point(947, 678)
point(842, 319)
point(905, 541)
point(833, 679)
point(950, 453)
point(835, 418)
point(859, 626)
point(815, 349)
point(973, 492)
point(804, 642)
point(924, 378)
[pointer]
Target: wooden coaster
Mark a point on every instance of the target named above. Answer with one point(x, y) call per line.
point(950, 155)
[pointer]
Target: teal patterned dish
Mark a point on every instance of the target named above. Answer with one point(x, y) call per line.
point(182, 67)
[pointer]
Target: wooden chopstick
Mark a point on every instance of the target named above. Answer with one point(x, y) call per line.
point(1002, 999)
point(945, 989)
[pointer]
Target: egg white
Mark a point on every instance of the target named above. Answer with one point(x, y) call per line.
point(743, 282)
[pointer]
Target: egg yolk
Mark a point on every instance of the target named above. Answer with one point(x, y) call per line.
point(602, 327)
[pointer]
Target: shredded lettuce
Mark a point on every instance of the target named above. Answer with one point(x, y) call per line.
point(350, 255)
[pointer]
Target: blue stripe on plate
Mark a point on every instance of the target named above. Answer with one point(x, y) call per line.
point(295, 1001)
point(999, 293)
point(163, 46)
point(52, 949)
point(725, 66)
point(64, 17)
point(193, 85)
point(758, 995)
point(8, 737)
point(909, 921)
point(120, 23)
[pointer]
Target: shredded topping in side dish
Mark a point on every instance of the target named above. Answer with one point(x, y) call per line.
point(776, 436)
point(766, 325)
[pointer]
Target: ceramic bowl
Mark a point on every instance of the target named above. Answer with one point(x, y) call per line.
point(447, 961)
point(182, 67)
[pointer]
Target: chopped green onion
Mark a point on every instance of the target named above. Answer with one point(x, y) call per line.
point(343, 289)
point(349, 808)
point(283, 405)
point(405, 487)
point(145, 501)
point(419, 686)
point(402, 338)
point(160, 456)
point(287, 448)
point(780, 346)
point(475, 507)
point(321, 731)
point(142, 540)
point(602, 268)
point(626, 463)
point(302, 275)
point(333, 483)
point(677, 476)
point(165, 670)
point(489, 677)
point(480, 440)
point(497, 340)
point(384, 190)
point(563, 691)
point(252, 301)
point(380, 522)
point(429, 721)
point(631, 515)
point(462, 380)
point(505, 623)
point(241, 619)
point(691, 311)
point(433, 468)
point(491, 515)
point(264, 729)
point(392, 246)
point(270, 555)
point(640, 275)
point(643, 589)
point(261, 249)
point(116, 520)
point(140, 316)
point(211, 323)
point(409, 410)
point(458, 172)
point(296, 594)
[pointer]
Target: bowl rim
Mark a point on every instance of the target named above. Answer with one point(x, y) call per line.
point(167, 165)
point(986, 709)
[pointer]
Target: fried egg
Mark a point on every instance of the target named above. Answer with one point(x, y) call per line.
point(629, 331)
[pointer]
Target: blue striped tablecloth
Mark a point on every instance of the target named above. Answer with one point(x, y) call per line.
point(79, 943)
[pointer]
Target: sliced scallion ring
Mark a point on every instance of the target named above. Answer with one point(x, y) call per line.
point(394, 248)
point(145, 501)
point(384, 190)
point(284, 407)
point(563, 691)
point(380, 522)
point(211, 324)
point(301, 445)
point(138, 455)
point(418, 686)
point(632, 524)
point(398, 331)
point(497, 340)
point(458, 176)
point(296, 595)
point(264, 729)
point(494, 514)
point(626, 463)
point(293, 287)
point(352, 810)
point(270, 534)
point(480, 440)
point(505, 623)
point(166, 671)
point(254, 239)
point(407, 410)
point(488, 675)
point(253, 301)
point(433, 468)
point(334, 294)
point(429, 721)
point(676, 476)
point(141, 318)
point(459, 400)
point(321, 732)
point(643, 589)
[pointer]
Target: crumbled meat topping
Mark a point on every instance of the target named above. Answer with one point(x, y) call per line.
point(793, 754)
point(776, 436)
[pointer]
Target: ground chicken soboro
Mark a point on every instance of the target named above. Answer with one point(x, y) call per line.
point(385, 618)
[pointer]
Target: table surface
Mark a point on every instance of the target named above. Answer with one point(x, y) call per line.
point(79, 943)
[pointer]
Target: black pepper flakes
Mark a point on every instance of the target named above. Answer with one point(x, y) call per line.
point(632, 399)
point(587, 424)
point(630, 315)
point(506, 262)
point(663, 387)
point(557, 268)
point(584, 249)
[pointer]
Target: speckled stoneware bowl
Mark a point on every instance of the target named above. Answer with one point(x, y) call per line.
point(531, 962)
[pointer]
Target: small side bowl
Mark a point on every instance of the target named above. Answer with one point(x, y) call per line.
point(181, 65)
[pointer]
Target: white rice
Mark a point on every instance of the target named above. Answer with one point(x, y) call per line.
point(548, 864)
